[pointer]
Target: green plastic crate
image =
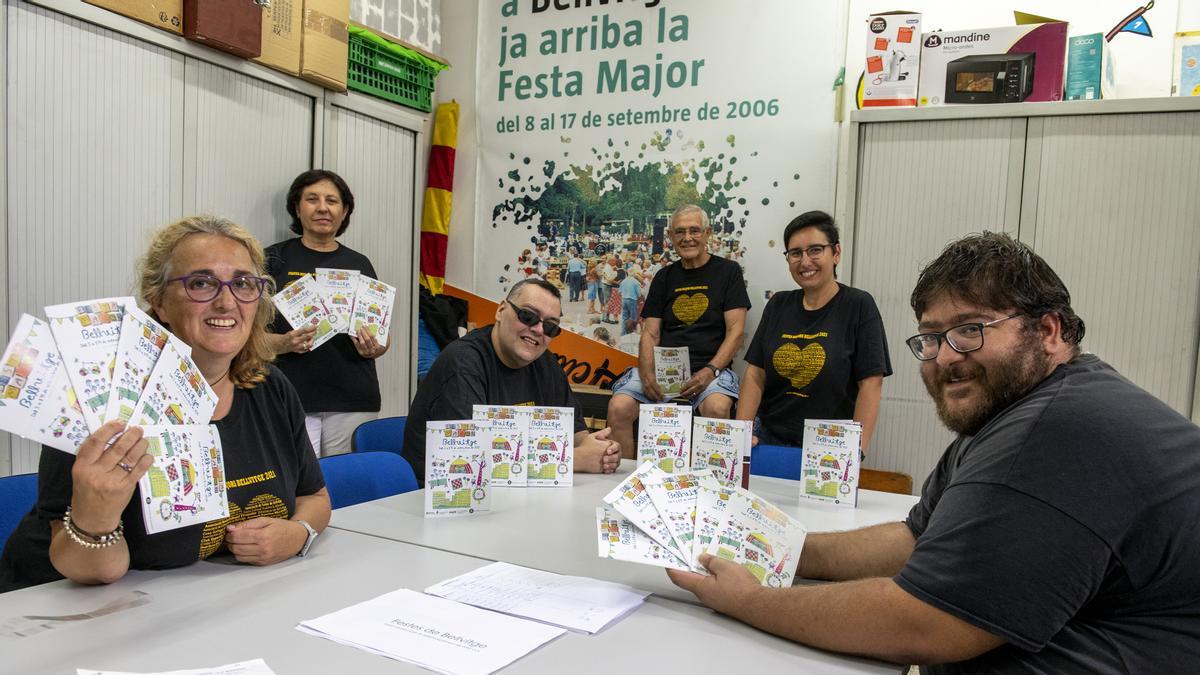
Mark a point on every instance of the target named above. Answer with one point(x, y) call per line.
point(390, 74)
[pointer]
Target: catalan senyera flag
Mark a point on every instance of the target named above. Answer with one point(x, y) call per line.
point(435, 217)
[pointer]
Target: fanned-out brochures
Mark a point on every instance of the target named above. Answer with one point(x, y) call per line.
point(669, 520)
point(151, 382)
point(302, 304)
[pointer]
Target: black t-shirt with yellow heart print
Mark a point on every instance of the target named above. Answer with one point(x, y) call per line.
point(692, 305)
point(815, 359)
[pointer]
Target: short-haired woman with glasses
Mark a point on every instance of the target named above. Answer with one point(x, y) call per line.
point(202, 278)
point(819, 351)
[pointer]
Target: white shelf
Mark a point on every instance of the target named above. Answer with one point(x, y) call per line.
point(1043, 109)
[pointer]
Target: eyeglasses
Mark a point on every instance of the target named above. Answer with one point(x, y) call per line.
point(814, 251)
point(530, 318)
point(687, 231)
point(965, 338)
point(206, 287)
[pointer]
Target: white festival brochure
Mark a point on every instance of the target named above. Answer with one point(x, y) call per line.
point(510, 442)
point(721, 446)
point(712, 506)
point(142, 340)
point(630, 499)
point(577, 603)
point(338, 288)
point(373, 307)
point(36, 398)
point(176, 392)
point(664, 436)
point(620, 539)
point(672, 367)
point(551, 447)
point(830, 464)
point(302, 304)
point(456, 468)
point(255, 667)
point(87, 334)
point(761, 538)
point(675, 498)
point(431, 632)
point(186, 484)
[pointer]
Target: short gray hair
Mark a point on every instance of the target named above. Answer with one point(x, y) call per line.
point(690, 208)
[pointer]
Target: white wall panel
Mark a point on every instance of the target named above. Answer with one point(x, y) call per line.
point(246, 140)
point(378, 161)
point(922, 184)
point(1116, 216)
point(93, 139)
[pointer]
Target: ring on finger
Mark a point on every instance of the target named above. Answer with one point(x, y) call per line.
point(125, 467)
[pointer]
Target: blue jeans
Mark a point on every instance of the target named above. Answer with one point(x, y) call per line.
point(628, 315)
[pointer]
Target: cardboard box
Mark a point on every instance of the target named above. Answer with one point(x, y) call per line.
point(1089, 68)
point(993, 65)
point(231, 26)
point(164, 14)
point(1185, 73)
point(893, 59)
point(324, 52)
point(281, 35)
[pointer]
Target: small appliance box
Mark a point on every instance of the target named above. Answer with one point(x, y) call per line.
point(324, 44)
point(164, 14)
point(1089, 68)
point(281, 35)
point(1185, 73)
point(232, 26)
point(993, 65)
point(893, 59)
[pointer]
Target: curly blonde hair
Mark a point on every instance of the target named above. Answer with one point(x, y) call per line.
point(249, 367)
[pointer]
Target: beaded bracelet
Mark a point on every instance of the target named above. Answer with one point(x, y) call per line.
point(88, 540)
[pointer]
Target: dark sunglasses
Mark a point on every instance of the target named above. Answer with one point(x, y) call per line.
point(530, 318)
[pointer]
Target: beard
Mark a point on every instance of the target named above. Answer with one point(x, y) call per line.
point(1014, 376)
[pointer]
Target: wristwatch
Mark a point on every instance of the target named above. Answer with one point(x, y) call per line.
point(716, 370)
point(312, 536)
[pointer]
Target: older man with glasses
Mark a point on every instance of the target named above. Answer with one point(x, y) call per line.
point(506, 363)
point(1055, 535)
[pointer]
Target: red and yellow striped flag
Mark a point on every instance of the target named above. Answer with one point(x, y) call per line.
point(435, 217)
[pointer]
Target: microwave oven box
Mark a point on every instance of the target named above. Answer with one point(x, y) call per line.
point(1185, 72)
point(324, 43)
point(281, 35)
point(164, 14)
point(893, 59)
point(1009, 64)
point(1089, 68)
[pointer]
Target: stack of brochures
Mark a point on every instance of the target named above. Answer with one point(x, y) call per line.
point(669, 520)
point(675, 442)
point(337, 301)
point(100, 360)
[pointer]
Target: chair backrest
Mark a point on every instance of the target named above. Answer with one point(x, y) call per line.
point(18, 494)
point(779, 461)
point(363, 476)
point(381, 435)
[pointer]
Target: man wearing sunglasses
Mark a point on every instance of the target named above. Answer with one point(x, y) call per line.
point(1057, 532)
point(506, 363)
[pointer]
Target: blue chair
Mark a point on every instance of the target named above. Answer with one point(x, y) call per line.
point(381, 435)
point(361, 477)
point(775, 461)
point(18, 494)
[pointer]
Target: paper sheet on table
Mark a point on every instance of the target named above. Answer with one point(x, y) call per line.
point(578, 603)
point(255, 667)
point(432, 632)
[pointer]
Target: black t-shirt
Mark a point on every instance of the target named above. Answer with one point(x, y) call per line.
point(1067, 527)
point(269, 461)
point(814, 360)
point(332, 377)
point(692, 305)
point(469, 373)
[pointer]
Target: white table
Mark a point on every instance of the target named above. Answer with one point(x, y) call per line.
point(554, 528)
point(209, 614)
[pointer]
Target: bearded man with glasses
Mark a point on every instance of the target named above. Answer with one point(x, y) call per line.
point(506, 363)
point(1056, 534)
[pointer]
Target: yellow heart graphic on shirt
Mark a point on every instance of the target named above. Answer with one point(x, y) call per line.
point(689, 308)
point(261, 506)
point(798, 365)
